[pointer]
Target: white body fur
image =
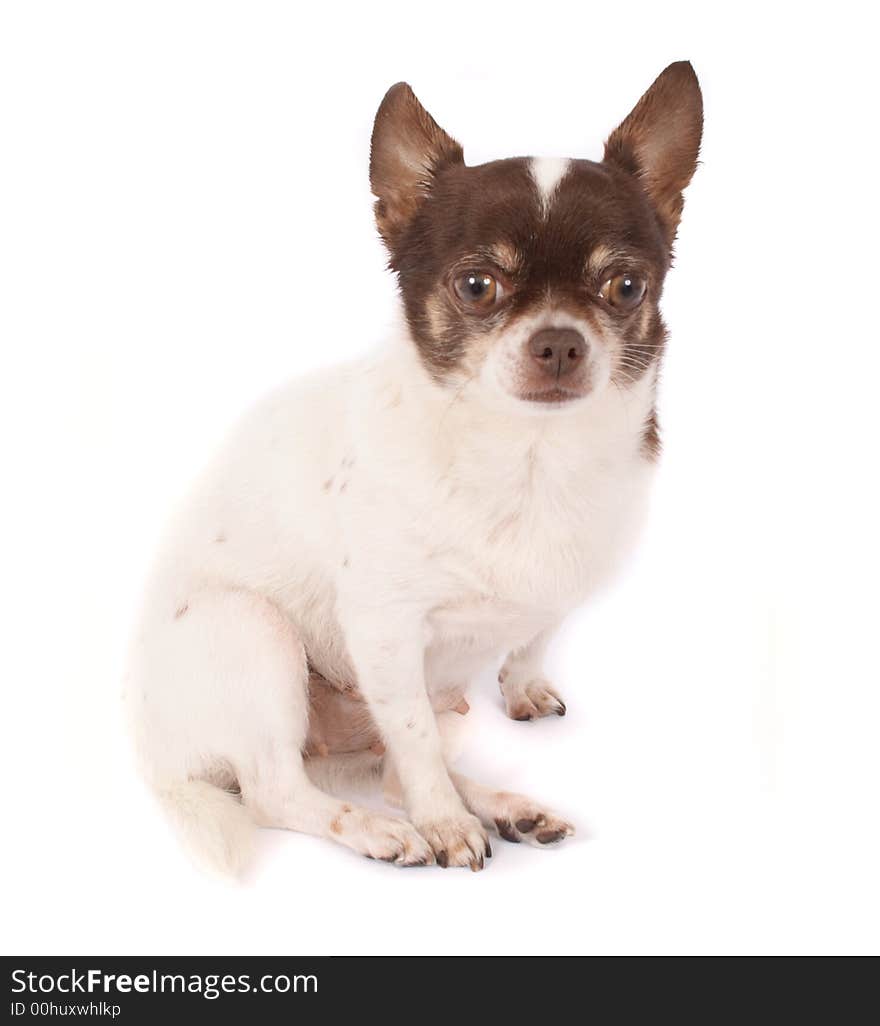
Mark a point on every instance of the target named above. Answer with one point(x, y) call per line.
point(402, 536)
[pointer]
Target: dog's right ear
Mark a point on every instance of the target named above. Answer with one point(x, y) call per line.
point(408, 150)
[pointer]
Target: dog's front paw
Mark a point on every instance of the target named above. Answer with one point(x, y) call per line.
point(457, 841)
point(518, 818)
point(527, 700)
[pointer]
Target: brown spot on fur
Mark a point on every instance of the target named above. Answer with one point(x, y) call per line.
point(503, 526)
point(181, 610)
point(651, 445)
point(328, 484)
point(220, 539)
point(336, 824)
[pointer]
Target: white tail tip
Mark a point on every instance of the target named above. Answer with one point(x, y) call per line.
point(212, 824)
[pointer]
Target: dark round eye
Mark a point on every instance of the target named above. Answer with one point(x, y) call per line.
point(624, 291)
point(477, 290)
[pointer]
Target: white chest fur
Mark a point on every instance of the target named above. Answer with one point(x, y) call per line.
point(372, 482)
point(501, 523)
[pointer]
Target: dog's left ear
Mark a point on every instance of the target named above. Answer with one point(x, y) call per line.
point(659, 141)
point(409, 149)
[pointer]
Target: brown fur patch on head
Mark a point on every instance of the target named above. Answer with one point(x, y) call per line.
point(490, 218)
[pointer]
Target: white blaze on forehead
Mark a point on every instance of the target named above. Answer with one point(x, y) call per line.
point(547, 173)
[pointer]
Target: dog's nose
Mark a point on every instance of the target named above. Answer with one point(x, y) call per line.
point(557, 351)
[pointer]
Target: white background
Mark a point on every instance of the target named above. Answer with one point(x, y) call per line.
point(186, 221)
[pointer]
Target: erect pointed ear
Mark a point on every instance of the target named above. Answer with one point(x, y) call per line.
point(408, 150)
point(660, 140)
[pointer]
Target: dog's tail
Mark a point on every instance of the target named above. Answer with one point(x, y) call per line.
point(215, 828)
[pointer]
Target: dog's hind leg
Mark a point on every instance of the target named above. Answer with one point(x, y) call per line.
point(298, 805)
point(223, 688)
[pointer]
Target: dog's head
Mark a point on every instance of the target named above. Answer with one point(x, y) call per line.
point(536, 281)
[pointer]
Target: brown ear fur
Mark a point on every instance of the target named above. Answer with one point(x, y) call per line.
point(660, 140)
point(408, 149)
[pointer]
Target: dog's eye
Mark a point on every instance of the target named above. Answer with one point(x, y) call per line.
point(624, 292)
point(477, 290)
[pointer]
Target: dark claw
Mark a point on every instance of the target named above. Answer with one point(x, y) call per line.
point(442, 859)
point(488, 850)
point(561, 710)
point(525, 826)
point(506, 831)
point(549, 836)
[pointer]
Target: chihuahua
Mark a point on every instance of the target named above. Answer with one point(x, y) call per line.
point(370, 539)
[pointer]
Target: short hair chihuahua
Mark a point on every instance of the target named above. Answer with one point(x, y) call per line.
point(371, 538)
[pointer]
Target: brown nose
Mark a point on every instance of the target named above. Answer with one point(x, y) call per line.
point(557, 351)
